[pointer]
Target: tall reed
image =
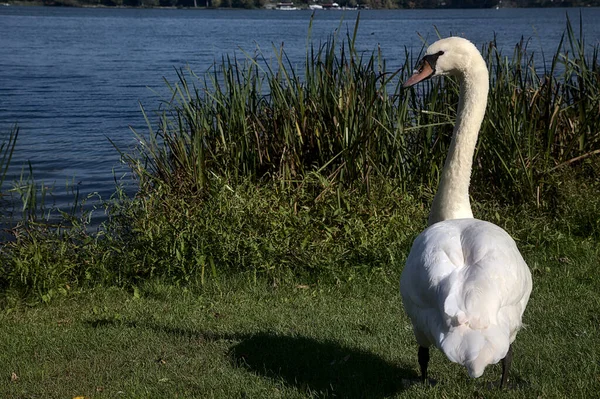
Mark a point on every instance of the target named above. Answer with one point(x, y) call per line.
point(345, 118)
point(7, 148)
point(538, 124)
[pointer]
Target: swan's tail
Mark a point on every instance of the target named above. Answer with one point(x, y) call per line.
point(474, 348)
point(474, 339)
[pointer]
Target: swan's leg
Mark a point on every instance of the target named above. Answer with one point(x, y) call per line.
point(423, 361)
point(506, 366)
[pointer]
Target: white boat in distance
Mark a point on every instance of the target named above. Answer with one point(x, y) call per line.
point(286, 7)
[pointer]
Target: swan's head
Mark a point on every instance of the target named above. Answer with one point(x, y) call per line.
point(450, 56)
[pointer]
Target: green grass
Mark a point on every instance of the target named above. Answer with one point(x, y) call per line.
point(260, 339)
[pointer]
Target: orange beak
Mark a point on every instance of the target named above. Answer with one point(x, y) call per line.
point(423, 72)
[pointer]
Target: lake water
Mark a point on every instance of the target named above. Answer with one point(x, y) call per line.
point(73, 78)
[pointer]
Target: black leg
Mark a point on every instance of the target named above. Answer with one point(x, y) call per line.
point(423, 361)
point(506, 367)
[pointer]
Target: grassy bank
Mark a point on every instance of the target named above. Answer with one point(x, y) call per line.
point(240, 338)
point(319, 317)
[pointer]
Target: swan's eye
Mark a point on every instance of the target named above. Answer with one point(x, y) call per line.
point(431, 59)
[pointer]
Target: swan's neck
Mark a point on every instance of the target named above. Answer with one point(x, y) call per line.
point(452, 198)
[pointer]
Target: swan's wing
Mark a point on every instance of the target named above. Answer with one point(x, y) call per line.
point(495, 275)
point(431, 261)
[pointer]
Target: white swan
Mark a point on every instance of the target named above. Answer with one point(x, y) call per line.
point(465, 285)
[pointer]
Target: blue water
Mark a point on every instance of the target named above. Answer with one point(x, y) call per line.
point(74, 78)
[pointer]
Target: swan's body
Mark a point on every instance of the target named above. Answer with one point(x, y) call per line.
point(465, 287)
point(465, 284)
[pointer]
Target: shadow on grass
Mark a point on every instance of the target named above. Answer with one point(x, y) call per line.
point(319, 367)
point(325, 368)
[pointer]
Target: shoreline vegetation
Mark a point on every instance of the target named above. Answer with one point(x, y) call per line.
point(306, 4)
point(261, 255)
point(260, 168)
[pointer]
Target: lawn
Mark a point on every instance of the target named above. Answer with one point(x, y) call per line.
point(265, 339)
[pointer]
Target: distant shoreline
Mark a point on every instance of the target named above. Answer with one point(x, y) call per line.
point(260, 5)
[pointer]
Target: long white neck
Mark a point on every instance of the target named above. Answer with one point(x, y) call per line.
point(452, 198)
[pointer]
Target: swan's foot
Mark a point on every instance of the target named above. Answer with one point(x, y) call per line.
point(504, 383)
point(508, 386)
point(423, 356)
point(506, 367)
point(423, 362)
point(409, 382)
point(430, 382)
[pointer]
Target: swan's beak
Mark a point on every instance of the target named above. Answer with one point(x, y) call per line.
point(423, 72)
